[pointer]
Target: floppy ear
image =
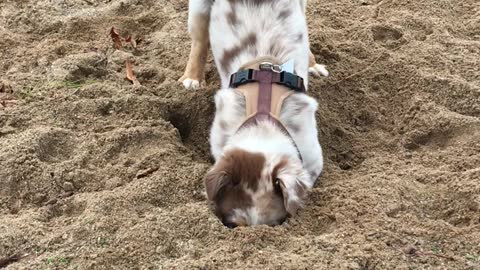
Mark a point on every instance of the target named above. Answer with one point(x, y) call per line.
point(215, 182)
point(293, 196)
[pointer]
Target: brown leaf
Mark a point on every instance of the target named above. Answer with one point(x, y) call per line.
point(130, 75)
point(117, 41)
point(132, 41)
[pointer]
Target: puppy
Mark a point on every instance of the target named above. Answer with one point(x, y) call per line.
point(265, 146)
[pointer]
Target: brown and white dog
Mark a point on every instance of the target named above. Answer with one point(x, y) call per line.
point(262, 172)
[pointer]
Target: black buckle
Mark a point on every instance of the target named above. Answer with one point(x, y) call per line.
point(241, 77)
point(287, 79)
point(291, 81)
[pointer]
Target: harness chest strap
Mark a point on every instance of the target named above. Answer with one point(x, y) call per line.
point(280, 86)
point(265, 92)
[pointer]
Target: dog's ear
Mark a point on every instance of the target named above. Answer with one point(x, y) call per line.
point(293, 196)
point(215, 182)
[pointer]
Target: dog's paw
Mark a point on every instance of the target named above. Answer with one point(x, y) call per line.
point(318, 70)
point(190, 84)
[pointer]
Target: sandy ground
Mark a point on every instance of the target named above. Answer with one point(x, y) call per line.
point(98, 174)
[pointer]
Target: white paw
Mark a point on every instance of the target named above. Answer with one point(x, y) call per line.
point(318, 70)
point(191, 84)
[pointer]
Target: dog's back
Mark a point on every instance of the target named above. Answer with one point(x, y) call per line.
point(242, 30)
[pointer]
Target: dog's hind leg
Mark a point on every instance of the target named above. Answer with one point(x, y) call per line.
point(198, 23)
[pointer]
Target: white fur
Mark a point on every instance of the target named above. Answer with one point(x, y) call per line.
point(262, 21)
point(191, 84)
point(318, 70)
point(267, 138)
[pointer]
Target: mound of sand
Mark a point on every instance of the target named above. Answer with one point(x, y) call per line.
point(98, 174)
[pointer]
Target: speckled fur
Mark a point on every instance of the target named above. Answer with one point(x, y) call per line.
point(240, 31)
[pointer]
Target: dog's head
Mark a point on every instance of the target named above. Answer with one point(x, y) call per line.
point(252, 188)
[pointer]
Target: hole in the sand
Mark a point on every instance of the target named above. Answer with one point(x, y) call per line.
point(347, 160)
point(54, 146)
point(192, 118)
point(337, 143)
point(182, 124)
point(384, 33)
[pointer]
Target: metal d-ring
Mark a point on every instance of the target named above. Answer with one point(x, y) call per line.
point(270, 66)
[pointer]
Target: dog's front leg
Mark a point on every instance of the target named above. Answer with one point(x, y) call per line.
point(198, 23)
point(314, 68)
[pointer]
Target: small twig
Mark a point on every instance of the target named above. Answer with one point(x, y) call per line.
point(365, 69)
point(359, 72)
point(415, 252)
point(146, 172)
point(437, 255)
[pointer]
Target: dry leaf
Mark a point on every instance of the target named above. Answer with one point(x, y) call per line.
point(117, 41)
point(132, 41)
point(130, 75)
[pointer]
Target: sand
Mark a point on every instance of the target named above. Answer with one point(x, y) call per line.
point(96, 173)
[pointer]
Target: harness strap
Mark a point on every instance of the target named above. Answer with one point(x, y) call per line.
point(284, 78)
point(266, 78)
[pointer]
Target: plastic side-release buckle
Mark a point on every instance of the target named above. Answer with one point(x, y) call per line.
point(291, 81)
point(241, 77)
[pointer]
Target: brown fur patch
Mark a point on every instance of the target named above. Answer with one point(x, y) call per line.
point(300, 190)
point(233, 198)
point(226, 181)
point(248, 42)
point(245, 167)
point(299, 38)
point(294, 127)
point(284, 14)
point(311, 60)
point(300, 106)
point(215, 181)
point(280, 165)
point(232, 18)
point(223, 124)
